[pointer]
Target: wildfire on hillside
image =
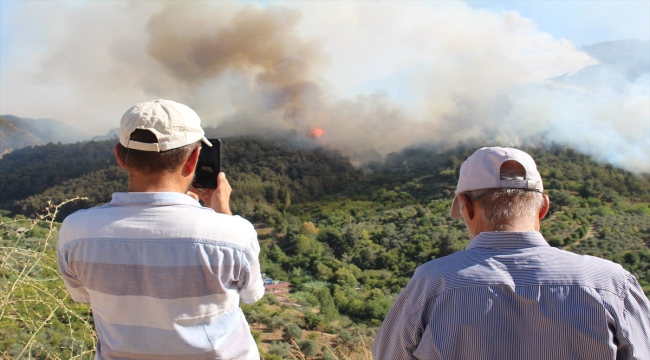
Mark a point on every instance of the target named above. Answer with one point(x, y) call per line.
point(315, 133)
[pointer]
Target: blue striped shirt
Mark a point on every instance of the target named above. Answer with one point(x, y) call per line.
point(164, 277)
point(512, 296)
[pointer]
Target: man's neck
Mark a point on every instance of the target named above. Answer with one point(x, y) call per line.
point(479, 225)
point(158, 182)
point(523, 226)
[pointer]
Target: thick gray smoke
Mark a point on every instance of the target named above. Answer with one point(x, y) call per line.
point(373, 76)
point(254, 41)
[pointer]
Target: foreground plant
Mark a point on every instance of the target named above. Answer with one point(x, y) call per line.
point(37, 317)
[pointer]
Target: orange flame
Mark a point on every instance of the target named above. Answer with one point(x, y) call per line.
point(315, 133)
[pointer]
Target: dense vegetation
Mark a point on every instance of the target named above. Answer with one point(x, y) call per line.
point(32, 170)
point(348, 241)
point(266, 175)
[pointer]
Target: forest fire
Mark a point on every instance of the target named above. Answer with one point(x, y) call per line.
point(315, 133)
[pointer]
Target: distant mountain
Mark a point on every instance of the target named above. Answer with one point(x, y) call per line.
point(620, 63)
point(630, 56)
point(13, 137)
point(17, 132)
point(112, 134)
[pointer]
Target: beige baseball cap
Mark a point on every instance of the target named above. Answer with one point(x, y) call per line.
point(174, 125)
point(482, 170)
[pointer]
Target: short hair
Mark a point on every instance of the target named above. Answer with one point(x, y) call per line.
point(151, 161)
point(501, 206)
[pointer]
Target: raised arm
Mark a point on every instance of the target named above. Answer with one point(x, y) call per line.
point(250, 284)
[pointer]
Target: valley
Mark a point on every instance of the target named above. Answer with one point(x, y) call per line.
point(346, 239)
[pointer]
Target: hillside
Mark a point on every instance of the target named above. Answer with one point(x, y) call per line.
point(17, 133)
point(266, 175)
point(30, 171)
point(12, 137)
point(374, 221)
point(347, 241)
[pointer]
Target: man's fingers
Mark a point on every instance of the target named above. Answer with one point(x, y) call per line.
point(201, 193)
point(194, 191)
point(221, 178)
point(221, 197)
point(222, 182)
point(193, 195)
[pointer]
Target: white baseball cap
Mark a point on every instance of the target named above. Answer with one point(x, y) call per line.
point(174, 125)
point(482, 170)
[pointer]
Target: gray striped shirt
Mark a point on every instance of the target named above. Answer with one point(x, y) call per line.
point(512, 296)
point(164, 277)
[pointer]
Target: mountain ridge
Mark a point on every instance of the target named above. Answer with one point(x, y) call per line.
point(17, 133)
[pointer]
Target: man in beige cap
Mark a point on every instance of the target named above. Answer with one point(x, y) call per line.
point(164, 276)
point(510, 295)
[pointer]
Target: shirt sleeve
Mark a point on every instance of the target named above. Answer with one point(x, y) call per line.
point(72, 283)
point(402, 329)
point(637, 316)
point(250, 284)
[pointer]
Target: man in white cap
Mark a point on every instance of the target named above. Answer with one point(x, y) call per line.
point(509, 295)
point(164, 276)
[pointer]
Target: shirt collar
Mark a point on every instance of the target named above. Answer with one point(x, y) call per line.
point(506, 239)
point(152, 198)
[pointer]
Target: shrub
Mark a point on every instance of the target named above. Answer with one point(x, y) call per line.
point(276, 323)
point(328, 355)
point(308, 347)
point(306, 298)
point(280, 349)
point(291, 331)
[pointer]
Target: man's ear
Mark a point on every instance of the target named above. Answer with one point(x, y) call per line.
point(544, 209)
point(467, 206)
point(117, 156)
point(190, 164)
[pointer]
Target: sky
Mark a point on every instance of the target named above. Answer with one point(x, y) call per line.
point(397, 73)
point(581, 22)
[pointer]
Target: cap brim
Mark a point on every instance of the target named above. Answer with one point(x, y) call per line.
point(455, 212)
point(206, 141)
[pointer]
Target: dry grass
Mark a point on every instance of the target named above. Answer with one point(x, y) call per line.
point(32, 295)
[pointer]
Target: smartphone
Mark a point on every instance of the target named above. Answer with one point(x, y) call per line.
point(209, 165)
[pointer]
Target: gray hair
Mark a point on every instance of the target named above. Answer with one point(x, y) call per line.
point(501, 206)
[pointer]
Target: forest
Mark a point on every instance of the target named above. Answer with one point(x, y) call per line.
point(347, 239)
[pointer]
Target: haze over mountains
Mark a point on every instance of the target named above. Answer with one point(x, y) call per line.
point(602, 103)
point(632, 57)
point(17, 132)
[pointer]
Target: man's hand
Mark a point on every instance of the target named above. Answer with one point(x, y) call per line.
point(217, 199)
point(192, 195)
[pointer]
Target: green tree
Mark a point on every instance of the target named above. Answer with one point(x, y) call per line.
point(312, 320)
point(346, 278)
point(327, 307)
point(324, 272)
point(287, 200)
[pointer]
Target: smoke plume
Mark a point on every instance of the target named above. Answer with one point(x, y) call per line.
point(371, 77)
